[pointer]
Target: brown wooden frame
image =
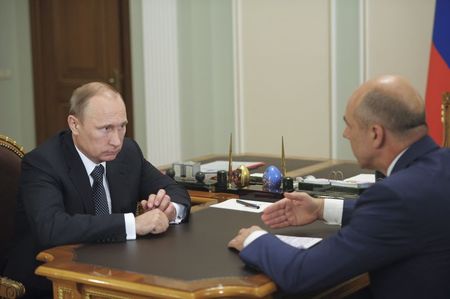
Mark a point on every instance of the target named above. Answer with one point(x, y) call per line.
point(38, 66)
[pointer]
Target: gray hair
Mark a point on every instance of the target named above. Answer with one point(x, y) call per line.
point(80, 96)
point(393, 112)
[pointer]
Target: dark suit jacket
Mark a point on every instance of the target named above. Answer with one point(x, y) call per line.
point(397, 231)
point(55, 204)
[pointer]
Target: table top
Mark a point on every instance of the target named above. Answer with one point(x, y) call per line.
point(188, 258)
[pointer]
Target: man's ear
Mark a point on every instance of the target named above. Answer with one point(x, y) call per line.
point(378, 134)
point(73, 123)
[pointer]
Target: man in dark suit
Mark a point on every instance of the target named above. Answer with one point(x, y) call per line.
point(84, 184)
point(397, 230)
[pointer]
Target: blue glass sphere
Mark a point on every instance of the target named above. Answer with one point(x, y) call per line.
point(272, 178)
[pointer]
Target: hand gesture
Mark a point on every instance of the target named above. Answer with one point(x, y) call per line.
point(162, 202)
point(153, 221)
point(297, 208)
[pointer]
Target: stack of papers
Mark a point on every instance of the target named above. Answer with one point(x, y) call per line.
point(359, 181)
point(214, 167)
point(316, 181)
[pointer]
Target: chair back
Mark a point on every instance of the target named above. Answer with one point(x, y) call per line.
point(11, 155)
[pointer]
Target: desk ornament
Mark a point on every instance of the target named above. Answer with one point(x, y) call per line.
point(287, 181)
point(222, 181)
point(272, 179)
point(241, 177)
point(230, 162)
point(190, 180)
point(288, 184)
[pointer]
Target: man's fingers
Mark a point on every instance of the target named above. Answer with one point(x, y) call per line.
point(170, 212)
point(151, 201)
point(155, 200)
point(236, 243)
point(159, 197)
point(165, 202)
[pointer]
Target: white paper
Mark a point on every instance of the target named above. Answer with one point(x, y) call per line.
point(357, 181)
point(362, 178)
point(299, 242)
point(231, 204)
point(223, 165)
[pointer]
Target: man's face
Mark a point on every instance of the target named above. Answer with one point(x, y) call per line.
point(359, 137)
point(100, 131)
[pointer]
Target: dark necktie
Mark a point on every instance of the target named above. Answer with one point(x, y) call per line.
point(98, 191)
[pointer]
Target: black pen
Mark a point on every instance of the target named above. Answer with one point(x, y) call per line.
point(247, 204)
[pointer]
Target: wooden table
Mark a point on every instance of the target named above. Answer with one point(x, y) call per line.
point(188, 261)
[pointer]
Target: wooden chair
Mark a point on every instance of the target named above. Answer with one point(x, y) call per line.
point(11, 155)
point(445, 118)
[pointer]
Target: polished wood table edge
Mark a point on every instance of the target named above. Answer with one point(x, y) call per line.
point(346, 288)
point(199, 197)
point(61, 267)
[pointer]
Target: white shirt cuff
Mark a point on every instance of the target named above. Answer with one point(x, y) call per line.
point(181, 213)
point(130, 226)
point(332, 210)
point(253, 236)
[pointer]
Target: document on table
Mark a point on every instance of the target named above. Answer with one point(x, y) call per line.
point(215, 166)
point(357, 181)
point(252, 206)
point(259, 206)
point(299, 242)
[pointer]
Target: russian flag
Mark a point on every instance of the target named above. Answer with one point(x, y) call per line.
point(438, 69)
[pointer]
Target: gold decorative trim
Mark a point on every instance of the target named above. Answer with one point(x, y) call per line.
point(445, 117)
point(10, 288)
point(12, 145)
point(89, 294)
point(62, 291)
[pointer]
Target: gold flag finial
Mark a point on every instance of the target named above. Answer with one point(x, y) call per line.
point(445, 118)
point(283, 159)
point(230, 160)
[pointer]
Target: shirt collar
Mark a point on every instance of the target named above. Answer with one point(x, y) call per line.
point(391, 166)
point(88, 164)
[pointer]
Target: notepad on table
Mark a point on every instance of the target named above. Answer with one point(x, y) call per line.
point(233, 204)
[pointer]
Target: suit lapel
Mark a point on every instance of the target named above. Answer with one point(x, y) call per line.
point(116, 176)
point(77, 173)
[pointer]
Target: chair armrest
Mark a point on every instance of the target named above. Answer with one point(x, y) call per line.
point(10, 288)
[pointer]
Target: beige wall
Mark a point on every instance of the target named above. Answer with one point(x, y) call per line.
point(399, 38)
point(285, 76)
point(284, 69)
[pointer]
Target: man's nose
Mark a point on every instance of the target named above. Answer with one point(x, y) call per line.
point(115, 138)
point(344, 134)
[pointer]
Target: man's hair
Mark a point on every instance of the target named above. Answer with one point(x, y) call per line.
point(81, 96)
point(378, 106)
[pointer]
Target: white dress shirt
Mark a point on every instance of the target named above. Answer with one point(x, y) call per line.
point(332, 208)
point(130, 223)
